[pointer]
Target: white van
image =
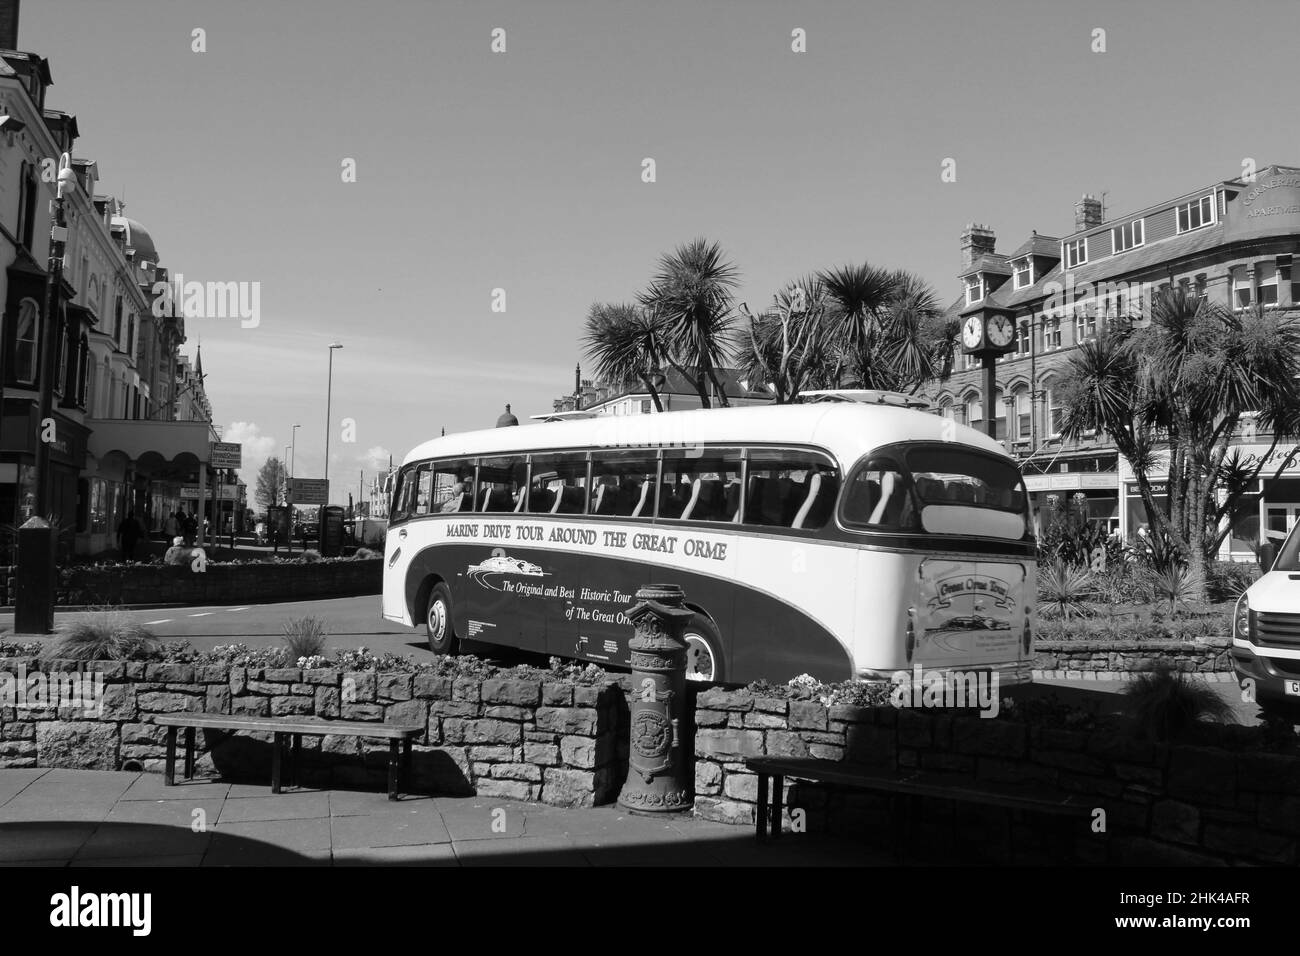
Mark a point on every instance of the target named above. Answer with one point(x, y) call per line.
point(1266, 634)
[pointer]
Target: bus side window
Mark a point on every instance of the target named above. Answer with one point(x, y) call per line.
point(622, 482)
point(559, 484)
point(424, 489)
point(453, 486)
point(500, 482)
point(695, 481)
point(880, 496)
point(790, 489)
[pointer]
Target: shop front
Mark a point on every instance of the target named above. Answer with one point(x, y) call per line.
point(1091, 495)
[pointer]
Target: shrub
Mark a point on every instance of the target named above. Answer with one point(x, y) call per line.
point(1063, 590)
point(364, 554)
point(1173, 584)
point(25, 649)
point(310, 556)
point(305, 637)
point(1225, 580)
point(102, 636)
point(1166, 705)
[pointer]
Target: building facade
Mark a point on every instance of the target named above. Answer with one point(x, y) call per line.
point(1233, 241)
point(676, 393)
point(132, 425)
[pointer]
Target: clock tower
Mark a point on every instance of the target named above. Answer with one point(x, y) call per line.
point(988, 332)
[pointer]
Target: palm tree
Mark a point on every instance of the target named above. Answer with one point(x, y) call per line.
point(887, 327)
point(626, 345)
point(692, 299)
point(788, 348)
point(1172, 395)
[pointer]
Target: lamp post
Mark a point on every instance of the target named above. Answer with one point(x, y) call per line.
point(37, 540)
point(329, 388)
point(290, 475)
point(293, 452)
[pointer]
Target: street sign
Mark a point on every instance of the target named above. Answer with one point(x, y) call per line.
point(309, 491)
point(226, 454)
point(191, 493)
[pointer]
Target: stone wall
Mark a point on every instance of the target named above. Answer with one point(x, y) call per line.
point(525, 739)
point(1058, 658)
point(1164, 804)
point(217, 584)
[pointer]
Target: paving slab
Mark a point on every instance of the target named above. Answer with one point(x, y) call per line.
point(43, 840)
point(384, 831)
point(479, 818)
point(525, 851)
point(439, 854)
point(115, 840)
point(176, 813)
point(151, 786)
point(181, 861)
point(13, 782)
point(284, 806)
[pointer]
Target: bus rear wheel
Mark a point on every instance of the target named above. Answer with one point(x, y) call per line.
point(438, 625)
point(703, 650)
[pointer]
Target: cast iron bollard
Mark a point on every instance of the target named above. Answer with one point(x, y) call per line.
point(656, 764)
point(35, 578)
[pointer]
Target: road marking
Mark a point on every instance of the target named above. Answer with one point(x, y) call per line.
point(245, 608)
point(204, 614)
point(165, 620)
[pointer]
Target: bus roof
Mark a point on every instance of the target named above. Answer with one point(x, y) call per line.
point(847, 430)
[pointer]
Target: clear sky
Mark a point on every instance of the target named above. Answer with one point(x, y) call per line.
point(522, 170)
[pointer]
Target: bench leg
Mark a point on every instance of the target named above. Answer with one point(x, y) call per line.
point(294, 761)
point(276, 747)
point(406, 761)
point(778, 794)
point(189, 752)
point(169, 777)
point(762, 807)
point(394, 765)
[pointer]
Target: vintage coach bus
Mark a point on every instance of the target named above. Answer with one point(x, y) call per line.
point(835, 539)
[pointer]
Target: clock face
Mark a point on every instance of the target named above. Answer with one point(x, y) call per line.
point(972, 333)
point(1000, 331)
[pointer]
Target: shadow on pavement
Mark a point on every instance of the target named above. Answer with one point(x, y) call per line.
point(60, 843)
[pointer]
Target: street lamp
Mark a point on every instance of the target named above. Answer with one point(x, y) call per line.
point(286, 483)
point(329, 388)
point(293, 453)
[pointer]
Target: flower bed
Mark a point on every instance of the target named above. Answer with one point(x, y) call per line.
point(219, 582)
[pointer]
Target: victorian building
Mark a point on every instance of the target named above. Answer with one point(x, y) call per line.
point(1231, 240)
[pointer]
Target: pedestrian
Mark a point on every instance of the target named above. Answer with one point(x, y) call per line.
point(171, 527)
point(128, 535)
point(177, 554)
point(190, 527)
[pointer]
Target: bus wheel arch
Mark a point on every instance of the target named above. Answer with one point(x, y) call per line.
point(436, 609)
point(705, 659)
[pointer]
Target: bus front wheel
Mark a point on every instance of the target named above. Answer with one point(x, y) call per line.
point(703, 650)
point(438, 621)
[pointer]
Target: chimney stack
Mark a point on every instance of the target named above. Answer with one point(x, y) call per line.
point(976, 240)
point(1087, 213)
point(9, 24)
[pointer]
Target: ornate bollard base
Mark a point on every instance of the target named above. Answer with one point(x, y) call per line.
point(656, 762)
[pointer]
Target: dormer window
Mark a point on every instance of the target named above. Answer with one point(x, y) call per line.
point(1127, 236)
point(1195, 214)
point(974, 289)
point(1076, 253)
point(1024, 272)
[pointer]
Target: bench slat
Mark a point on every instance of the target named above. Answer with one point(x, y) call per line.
point(304, 725)
point(918, 783)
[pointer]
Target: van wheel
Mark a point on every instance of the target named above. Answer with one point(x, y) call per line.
point(703, 650)
point(438, 621)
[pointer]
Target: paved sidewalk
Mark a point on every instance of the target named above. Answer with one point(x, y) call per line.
point(100, 818)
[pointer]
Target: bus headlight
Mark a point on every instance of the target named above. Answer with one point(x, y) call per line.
point(1241, 619)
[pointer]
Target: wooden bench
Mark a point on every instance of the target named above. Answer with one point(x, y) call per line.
point(284, 729)
point(904, 784)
